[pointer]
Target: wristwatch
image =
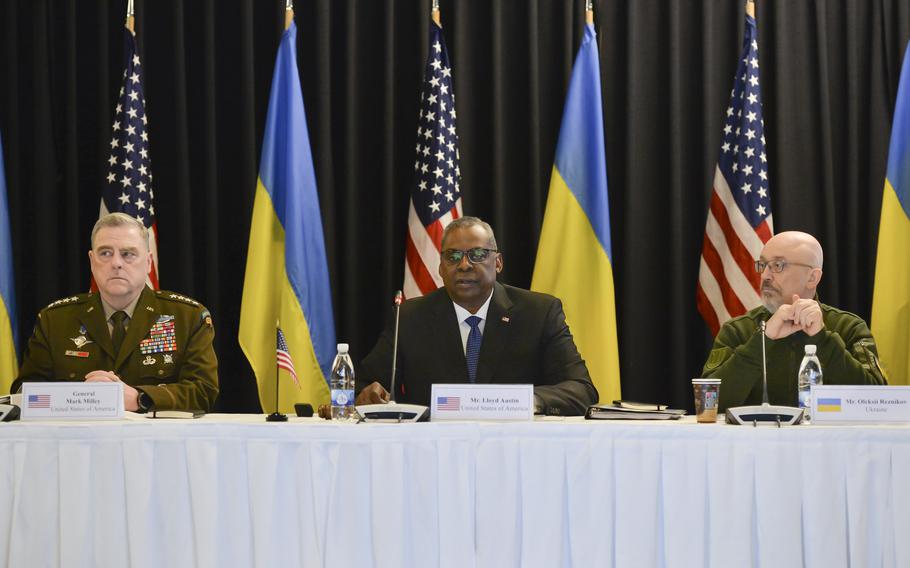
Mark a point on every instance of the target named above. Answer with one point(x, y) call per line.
point(144, 401)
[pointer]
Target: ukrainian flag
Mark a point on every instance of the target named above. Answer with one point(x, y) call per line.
point(9, 367)
point(829, 405)
point(891, 297)
point(287, 279)
point(574, 261)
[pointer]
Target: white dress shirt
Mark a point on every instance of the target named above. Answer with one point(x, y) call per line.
point(464, 327)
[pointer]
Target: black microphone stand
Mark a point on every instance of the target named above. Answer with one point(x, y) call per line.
point(391, 411)
point(765, 413)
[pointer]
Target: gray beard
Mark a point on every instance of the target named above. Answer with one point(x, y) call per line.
point(769, 305)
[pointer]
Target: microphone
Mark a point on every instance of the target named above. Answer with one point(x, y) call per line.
point(399, 298)
point(764, 413)
point(8, 412)
point(392, 411)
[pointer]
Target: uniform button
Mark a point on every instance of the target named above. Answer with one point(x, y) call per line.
point(72, 375)
point(160, 371)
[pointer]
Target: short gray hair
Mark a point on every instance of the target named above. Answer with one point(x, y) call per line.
point(467, 222)
point(120, 220)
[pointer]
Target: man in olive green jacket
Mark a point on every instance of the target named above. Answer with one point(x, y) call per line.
point(158, 343)
point(791, 268)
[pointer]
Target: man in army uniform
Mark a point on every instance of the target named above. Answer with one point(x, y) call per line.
point(159, 344)
point(790, 268)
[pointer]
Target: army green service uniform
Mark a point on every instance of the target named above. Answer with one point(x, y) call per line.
point(167, 351)
point(845, 348)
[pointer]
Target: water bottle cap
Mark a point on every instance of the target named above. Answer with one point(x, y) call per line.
point(343, 347)
point(810, 349)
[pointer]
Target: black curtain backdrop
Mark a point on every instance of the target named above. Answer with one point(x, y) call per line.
point(829, 73)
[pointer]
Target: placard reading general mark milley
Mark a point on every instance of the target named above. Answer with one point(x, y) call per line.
point(72, 401)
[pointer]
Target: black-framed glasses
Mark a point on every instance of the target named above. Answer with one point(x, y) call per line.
point(777, 265)
point(475, 255)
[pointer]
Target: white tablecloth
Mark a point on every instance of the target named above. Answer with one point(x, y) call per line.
point(236, 491)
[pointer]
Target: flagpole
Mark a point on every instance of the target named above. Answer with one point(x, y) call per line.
point(288, 13)
point(277, 416)
point(436, 17)
point(130, 17)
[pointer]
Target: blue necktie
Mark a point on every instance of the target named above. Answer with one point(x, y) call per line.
point(472, 353)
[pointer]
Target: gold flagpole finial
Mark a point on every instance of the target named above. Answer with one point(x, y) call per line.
point(589, 11)
point(436, 16)
point(288, 13)
point(750, 8)
point(130, 16)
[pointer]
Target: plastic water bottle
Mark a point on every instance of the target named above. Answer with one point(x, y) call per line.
point(342, 385)
point(810, 373)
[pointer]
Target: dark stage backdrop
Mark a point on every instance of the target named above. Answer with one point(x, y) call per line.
point(829, 72)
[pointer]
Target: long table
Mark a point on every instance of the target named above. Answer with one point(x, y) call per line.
point(229, 490)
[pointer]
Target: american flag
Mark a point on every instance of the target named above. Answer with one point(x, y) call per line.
point(39, 401)
point(436, 197)
point(739, 218)
point(448, 403)
point(128, 187)
point(284, 358)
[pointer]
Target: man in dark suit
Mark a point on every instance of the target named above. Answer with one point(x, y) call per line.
point(478, 330)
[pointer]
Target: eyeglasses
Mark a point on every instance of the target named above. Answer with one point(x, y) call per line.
point(475, 255)
point(777, 266)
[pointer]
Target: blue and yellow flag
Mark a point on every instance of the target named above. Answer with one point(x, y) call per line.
point(287, 278)
point(574, 261)
point(9, 366)
point(891, 296)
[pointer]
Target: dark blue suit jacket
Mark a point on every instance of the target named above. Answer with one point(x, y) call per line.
point(525, 340)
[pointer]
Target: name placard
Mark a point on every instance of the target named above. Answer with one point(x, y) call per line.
point(482, 402)
point(860, 403)
point(72, 401)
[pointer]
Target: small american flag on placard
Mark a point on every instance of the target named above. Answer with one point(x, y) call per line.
point(448, 403)
point(284, 358)
point(128, 185)
point(39, 401)
point(436, 196)
point(739, 218)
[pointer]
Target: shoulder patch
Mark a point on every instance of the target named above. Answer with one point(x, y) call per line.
point(717, 357)
point(165, 295)
point(67, 301)
point(206, 317)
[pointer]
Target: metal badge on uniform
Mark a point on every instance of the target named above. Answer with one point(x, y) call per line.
point(80, 339)
point(161, 337)
point(149, 360)
point(168, 358)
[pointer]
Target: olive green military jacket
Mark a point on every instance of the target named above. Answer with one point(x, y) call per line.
point(167, 351)
point(845, 349)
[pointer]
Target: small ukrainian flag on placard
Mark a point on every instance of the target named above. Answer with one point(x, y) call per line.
point(829, 405)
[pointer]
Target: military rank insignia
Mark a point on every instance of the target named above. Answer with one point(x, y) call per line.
point(162, 337)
